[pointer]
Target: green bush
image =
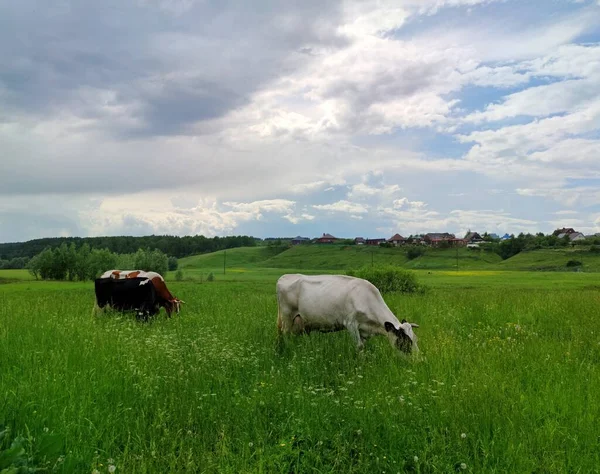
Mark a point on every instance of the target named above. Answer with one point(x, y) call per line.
point(574, 263)
point(388, 278)
point(415, 252)
point(210, 277)
point(179, 275)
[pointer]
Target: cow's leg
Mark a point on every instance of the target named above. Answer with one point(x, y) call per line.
point(285, 321)
point(279, 319)
point(96, 310)
point(298, 325)
point(352, 328)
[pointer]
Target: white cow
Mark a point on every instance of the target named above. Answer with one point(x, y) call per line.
point(336, 302)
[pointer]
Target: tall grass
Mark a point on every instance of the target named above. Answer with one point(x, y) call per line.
point(506, 382)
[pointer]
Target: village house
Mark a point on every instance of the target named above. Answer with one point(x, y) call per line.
point(300, 240)
point(327, 239)
point(573, 235)
point(473, 238)
point(374, 241)
point(359, 241)
point(397, 240)
point(564, 231)
point(435, 239)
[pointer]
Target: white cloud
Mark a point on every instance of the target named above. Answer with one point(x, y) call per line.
point(342, 206)
point(363, 190)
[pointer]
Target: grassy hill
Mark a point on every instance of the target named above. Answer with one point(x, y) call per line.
point(446, 259)
point(334, 257)
point(237, 257)
point(553, 260)
point(340, 257)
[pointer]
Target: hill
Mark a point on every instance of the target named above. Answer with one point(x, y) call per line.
point(344, 257)
point(553, 260)
point(236, 257)
point(334, 257)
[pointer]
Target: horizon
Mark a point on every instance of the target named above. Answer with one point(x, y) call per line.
point(286, 237)
point(181, 117)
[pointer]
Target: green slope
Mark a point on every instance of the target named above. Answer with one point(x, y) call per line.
point(334, 257)
point(237, 257)
point(446, 259)
point(339, 257)
point(552, 260)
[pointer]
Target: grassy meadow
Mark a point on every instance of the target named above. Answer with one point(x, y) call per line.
point(507, 379)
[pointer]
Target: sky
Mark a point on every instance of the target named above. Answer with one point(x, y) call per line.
point(269, 118)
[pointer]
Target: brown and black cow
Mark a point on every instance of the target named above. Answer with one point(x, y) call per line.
point(164, 297)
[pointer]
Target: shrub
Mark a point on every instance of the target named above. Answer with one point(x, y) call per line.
point(179, 275)
point(415, 252)
point(388, 278)
point(574, 263)
point(595, 249)
point(210, 277)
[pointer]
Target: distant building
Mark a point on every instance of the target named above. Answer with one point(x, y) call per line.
point(327, 239)
point(359, 241)
point(505, 237)
point(473, 238)
point(397, 240)
point(573, 236)
point(494, 236)
point(374, 241)
point(435, 239)
point(564, 230)
point(300, 240)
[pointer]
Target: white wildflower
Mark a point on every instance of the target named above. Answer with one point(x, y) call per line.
point(463, 435)
point(250, 444)
point(463, 466)
point(112, 468)
point(416, 459)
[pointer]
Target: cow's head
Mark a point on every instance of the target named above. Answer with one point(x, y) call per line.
point(403, 337)
point(174, 305)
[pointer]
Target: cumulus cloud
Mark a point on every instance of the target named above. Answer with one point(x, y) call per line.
point(342, 206)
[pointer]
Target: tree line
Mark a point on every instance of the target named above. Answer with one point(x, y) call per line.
point(67, 262)
point(168, 244)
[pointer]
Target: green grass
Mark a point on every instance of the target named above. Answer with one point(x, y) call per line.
point(334, 257)
point(553, 260)
point(7, 276)
point(241, 256)
point(515, 371)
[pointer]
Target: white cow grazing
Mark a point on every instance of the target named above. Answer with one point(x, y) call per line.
point(336, 302)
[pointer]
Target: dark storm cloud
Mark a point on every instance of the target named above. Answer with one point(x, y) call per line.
point(171, 63)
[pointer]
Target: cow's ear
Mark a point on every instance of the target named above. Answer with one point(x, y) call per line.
point(403, 321)
point(414, 325)
point(389, 326)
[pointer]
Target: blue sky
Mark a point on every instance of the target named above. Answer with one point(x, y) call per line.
point(278, 119)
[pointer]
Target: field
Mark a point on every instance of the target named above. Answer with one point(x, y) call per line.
point(506, 381)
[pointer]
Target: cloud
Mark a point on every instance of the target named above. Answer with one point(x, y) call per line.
point(185, 116)
point(342, 206)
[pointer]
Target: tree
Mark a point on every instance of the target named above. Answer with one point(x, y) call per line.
point(173, 264)
point(82, 263)
point(101, 260)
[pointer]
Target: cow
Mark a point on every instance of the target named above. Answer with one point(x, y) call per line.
point(328, 303)
point(164, 297)
point(131, 294)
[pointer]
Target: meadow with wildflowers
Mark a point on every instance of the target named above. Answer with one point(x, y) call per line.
point(507, 381)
